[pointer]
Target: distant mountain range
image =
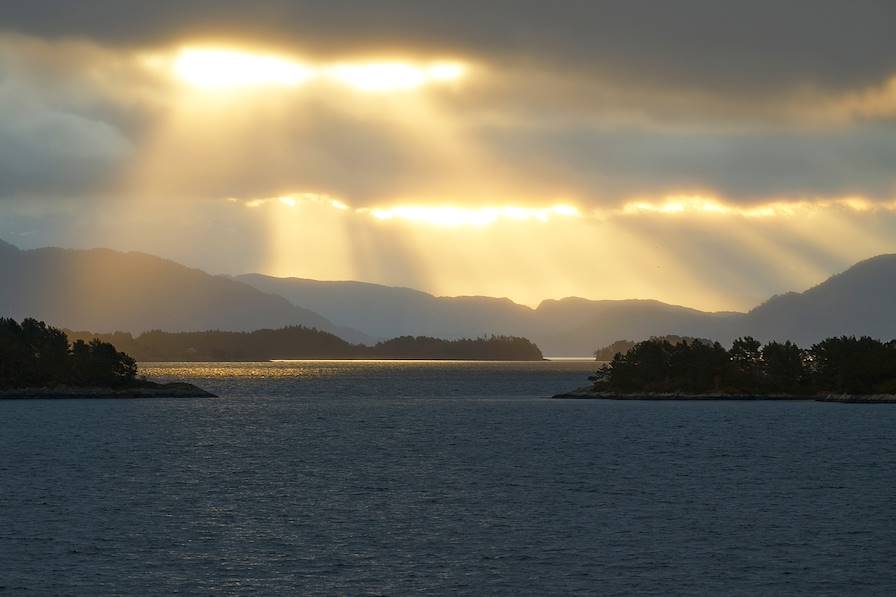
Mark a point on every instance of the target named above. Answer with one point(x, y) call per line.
point(571, 326)
point(104, 290)
point(860, 301)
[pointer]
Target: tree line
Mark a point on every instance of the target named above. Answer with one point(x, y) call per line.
point(623, 346)
point(298, 342)
point(33, 354)
point(842, 365)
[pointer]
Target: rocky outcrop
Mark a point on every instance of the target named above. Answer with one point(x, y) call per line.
point(142, 390)
point(588, 393)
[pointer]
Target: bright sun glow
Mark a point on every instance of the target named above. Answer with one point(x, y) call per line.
point(453, 217)
point(218, 69)
point(225, 69)
point(394, 76)
point(708, 206)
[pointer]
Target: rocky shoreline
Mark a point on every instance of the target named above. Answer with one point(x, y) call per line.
point(589, 393)
point(147, 389)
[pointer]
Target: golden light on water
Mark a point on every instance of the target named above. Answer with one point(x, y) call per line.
point(222, 69)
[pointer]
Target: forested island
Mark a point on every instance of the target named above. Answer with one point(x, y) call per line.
point(623, 346)
point(298, 342)
point(37, 360)
point(837, 369)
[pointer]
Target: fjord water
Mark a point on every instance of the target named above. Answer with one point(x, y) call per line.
point(441, 478)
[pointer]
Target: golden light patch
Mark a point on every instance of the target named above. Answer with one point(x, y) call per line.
point(454, 217)
point(224, 69)
point(695, 205)
point(228, 69)
point(394, 76)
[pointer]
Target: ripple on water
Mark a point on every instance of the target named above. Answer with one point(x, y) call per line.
point(409, 478)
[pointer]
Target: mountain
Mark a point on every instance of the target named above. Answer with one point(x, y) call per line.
point(859, 301)
point(7, 249)
point(106, 290)
point(575, 326)
point(571, 326)
point(385, 311)
point(305, 343)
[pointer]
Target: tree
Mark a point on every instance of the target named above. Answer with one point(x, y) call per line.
point(34, 354)
point(853, 365)
point(842, 365)
point(746, 362)
point(48, 347)
point(784, 367)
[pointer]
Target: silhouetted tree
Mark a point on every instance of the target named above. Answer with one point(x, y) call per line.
point(34, 354)
point(297, 342)
point(783, 366)
point(853, 365)
point(623, 346)
point(699, 366)
point(746, 362)
point(836, 365)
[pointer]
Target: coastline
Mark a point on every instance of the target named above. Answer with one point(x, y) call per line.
point(589, 394)
point(147, 389)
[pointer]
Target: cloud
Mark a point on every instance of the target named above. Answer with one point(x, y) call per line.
point(85, 119)
point(726, 150)
point(56, 152)
point(65, 129)
point(748, 166)
point(741, 46)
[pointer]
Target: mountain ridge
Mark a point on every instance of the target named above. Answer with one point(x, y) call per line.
point(576, 325)
point(108, 290)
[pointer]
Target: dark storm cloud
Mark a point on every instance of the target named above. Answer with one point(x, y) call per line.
point(59, 134)
point(57, 153)
point(741, 166)
point(743, 46)
point(603, 99)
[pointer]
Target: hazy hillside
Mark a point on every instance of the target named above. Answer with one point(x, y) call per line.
point(571, 326)
point(576, 326)
point(108, 290)
point(385, 312)
point(860, 301)
point(296, 342)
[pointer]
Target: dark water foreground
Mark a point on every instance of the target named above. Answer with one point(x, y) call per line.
point(441, 478)
point(588, 393)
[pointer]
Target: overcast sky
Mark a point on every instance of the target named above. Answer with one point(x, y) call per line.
point(701, 152)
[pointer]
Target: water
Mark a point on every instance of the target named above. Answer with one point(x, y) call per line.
point(441, 478)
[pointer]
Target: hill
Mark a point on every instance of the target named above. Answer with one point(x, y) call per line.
point(576, 326)
point(109, 290)
point(571, 326)
point(385, 311)
point(860, 301)
point(296, 342)
point(101, 289)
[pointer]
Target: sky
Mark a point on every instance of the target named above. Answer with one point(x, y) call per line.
point(699, 152)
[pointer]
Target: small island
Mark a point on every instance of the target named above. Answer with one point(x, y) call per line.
point(299, 342)
point(843, 369)
point(37, 361)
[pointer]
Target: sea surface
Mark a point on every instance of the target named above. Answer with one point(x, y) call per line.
point(416, 478)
